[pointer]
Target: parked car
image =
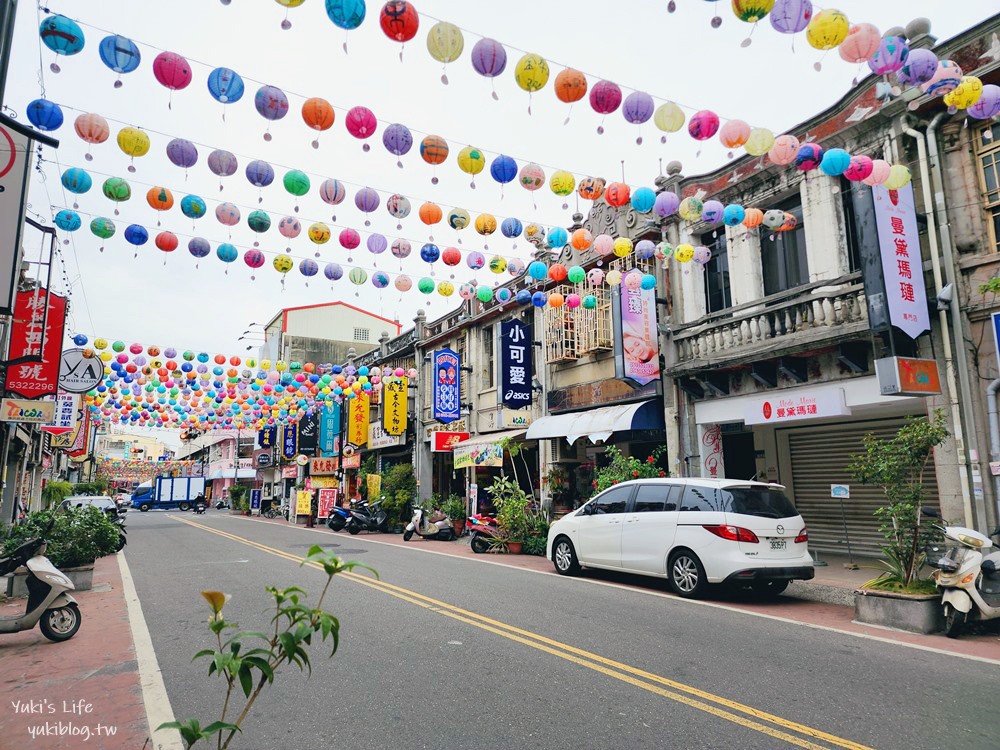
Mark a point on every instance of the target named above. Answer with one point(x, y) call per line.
point(103, 502)
point(693, 532)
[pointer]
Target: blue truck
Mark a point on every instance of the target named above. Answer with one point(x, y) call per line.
point(168, 493)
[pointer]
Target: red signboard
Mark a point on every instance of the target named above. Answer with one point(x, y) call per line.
point(37, 333)
point(327, 502)
point(444, 442)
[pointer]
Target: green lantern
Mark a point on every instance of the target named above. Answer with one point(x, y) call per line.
point(358, 276)
point(296, 182)
point(116, 189)
point(576, 274)
point(118, 346)
point(259, 221)
point(484, 293)
point(426, 285)
point(102, 227)
point(590, 302)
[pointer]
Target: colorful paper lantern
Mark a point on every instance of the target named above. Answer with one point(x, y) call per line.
point(666, 203)
point(225, 85)
point(734, 133)
point(172, 71)
point(398, 206)
point(68, 221)
point(282, 263)
point(400, 249)
point(471, 160)
point(226, 213)
point(879, 174)
point(576, 274)
point(497, 264)
point(570, 85)
point(430, 213)
point(503, 169)
point(668, 117)
point(809, 156)
point(557, 238)
point(254, 258)
point(835, 162)
point(827, 29)
point(360, 122)
point(349, 238)
point(332, 192)
point(859, 168)
point(531, 176)
point(116, 189)
point(703, 125)
point(754, 218)
point(318, 113)
point(581, 239)
point(259, 173)
point(862, 41)
point(346, 14)
point(531, 72)
point(638, 108)
point(133, 142)
point(475, 260)
point(890, 56)
point(784, 150)
point(44, 115)
point(458, 219)
point(643, 199)
point(489, 58)
point(445, 42)
point(166, 241)
point(591, 188)
point(967, 93)
point(318, 233)
point(136, 235)
point(333, 271)
point(102, 227)
point(604, 244)
point(222, 163)
point(920, 67)
point(774, 218)
point(289, 227)
point(558, 272)
point(445, 288)
point(595, 277)
point(308, 267)
point(733, 215)
point(259, 221)
point(397, 140)
point(759, 141)
point(562, 182)
point(193, 206)
point(690, 209)
point(945, 79)
point(182, 153)
point(684, 253)
point(403, 283)
point(791, 16)
point(988, 105)
point(623, 247)
point(91, 128)
point(899, 176)
point(226, 253)
point(434, 149)
point(450, 257)
point(297, 182)
point(752, 11)
point(511, 227)
point(605, 97)
point(617, 194)
point(161, 199)
point(486, 224)
point(367, 200)
point(712, 211)
point(399, 20)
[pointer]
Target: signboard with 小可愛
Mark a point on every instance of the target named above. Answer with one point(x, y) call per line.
point(516, 367)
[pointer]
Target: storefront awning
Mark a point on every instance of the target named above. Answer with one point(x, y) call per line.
point(598, 424)
point(228, 474)
point(483, 450)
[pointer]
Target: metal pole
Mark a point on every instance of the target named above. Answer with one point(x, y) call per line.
point(8, 12)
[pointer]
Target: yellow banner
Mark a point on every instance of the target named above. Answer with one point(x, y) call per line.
point(374, 486)
point(357, 429)
point(303, 505)
point(395, 395)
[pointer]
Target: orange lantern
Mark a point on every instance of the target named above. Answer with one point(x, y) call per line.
point(160, 199)
point(318, 113)
point(571, 86)
point(581, 239)
point(754, 218)
point(430, 213)
point(788, 224)
point(434, 149)
point(556, 300)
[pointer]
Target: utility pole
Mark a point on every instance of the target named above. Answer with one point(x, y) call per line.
point(8, 11)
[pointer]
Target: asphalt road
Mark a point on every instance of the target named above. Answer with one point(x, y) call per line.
point(448, 652)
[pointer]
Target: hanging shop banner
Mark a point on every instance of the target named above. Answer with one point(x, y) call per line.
point(374, 486)
point(81, 446)
point(308, 434)
point(37, 333)
point(24, 410)
point(447, 386)
point(78, 372)
point(379, 438)
point(515, 364)
point(358, 418)
point(267, 437)
point(323, 466)
point(14, 160)
point(329, 430)
point(66, 407)
point(290, 441)
point(395, 394)
point(327, 502)
point(289, 472)
point(902, 266)
point(903, 376)
point(637, 344)
point(477, 454)
point(303, 503)
point(351, 462)
point(67, 439)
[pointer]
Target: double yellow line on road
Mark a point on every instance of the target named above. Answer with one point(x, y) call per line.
point(723, 708)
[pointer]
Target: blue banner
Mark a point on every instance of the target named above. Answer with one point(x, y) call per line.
point(267, 437)
point(290, 440)
point(515, 364)
point(254, 499)
point(329, 431)
point(447, 386)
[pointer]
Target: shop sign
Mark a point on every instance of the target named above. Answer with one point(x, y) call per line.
point(447, 386)
point(379, 438)
point(902, 376)
point(598, 393)
point(327, 502)
point(68, 439)
point(902, 266)
point(637, 342)
point(840, 490)
point(444, 441)
point(458, 426)
point(267, 437)
point(15, 158)
point(516, 369)
point(504, 419)
point(478, 454)
point(323, 466)
point(396, 393)
point(289, 472)
point(79, 373)
point(25, 410)
point(36, 344)
point(290, 441)
point(329, 430)
point(308, 434)
point(796, 406)
point(254, 499)
point(352, 461)
point(322, 483)
point(303, 502)
point(358, 416)
point(262, 459)
point(66, 406)
point(302, 459)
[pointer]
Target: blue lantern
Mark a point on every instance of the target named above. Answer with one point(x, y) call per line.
point(557, 238)
point(643, 199)
point(503, 294)
point(199, 247)
point(503, 169)
point(193, 206)
point(45, 115)
point(68, 221)
point(539, 299)
point(346, 14)
point(62, 36)
point(835, 162)
point(523, 297)
point(648, 281)
point(225, 85)
point(538, 270)
point(76, 180)
point(430, 253)
point(511, 227)
point(136, 234)
point(80, 340)
point(733, 215)
point(260, 173)
point(227, 254)
point(120, 54)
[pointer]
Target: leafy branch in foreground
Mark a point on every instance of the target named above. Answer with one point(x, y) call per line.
point(249, 660)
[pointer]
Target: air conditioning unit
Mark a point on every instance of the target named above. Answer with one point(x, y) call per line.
point(563, 452)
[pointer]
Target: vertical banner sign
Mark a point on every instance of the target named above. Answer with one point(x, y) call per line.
point(374, 486)
point(66, 440)
point(447, 386)
point(395, 393)
point(66, 408)
point(515, 364)
point(14, 161)
point(290, 440)
point(358, 417)
point(254, 499)
point(308, 434)
point(637, 343)
point(902, 266)
point(329, 431)
point(267, 437)
point(303, 502)
point(327, 502)
point(37, 333)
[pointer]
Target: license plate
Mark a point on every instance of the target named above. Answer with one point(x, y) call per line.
point(778, 543)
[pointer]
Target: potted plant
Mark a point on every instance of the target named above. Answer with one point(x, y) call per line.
point(78, 536)
point(455, 509)
point(621, 468)
point(511, 503)
point(557, 480)
point(900, 598)
point(238, 502)
point(55, 492)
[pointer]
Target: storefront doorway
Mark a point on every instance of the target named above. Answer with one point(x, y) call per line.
point(738, 455)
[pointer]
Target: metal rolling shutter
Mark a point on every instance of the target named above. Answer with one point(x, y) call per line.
point(819, 458)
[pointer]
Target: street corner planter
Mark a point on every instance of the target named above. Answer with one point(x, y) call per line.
point(515, 548)
point(914, 613)
point(81, 576)
point(459, 527)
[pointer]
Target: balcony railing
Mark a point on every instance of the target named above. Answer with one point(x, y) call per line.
point(812, 314)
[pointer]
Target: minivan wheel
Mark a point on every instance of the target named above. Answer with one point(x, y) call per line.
point(564, 557)
point(687, 576)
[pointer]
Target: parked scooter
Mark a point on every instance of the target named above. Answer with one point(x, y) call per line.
point(969, 579)
point(55, 611)
point(338, 519)
point(365, 517)
point(122, 539)
point(424, 525)
point(221, 504)
point(483, 530)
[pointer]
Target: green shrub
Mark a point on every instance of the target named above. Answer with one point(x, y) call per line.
point(399, 487)
point(454, 508)
point(78, 535)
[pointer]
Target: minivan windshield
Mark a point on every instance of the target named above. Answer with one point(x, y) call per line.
point(758, 501)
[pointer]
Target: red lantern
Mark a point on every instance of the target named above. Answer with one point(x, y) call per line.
point(557, 272)
point(166, 241)
point(235, 361)
point(399, 20)
point(617, 194)
point(451, 256)
point(220, 359)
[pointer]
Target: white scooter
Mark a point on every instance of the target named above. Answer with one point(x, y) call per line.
point(422, 525)
point(55, 611)
point(969, 578)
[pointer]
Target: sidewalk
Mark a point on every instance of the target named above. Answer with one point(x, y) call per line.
point(84, 692)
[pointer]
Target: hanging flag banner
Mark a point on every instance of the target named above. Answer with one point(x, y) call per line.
point(15, 150)
point(37, 333)
point(395, 394)
point(902, 266)
point(308, 434)
point(267, 437)
point(637, 344)
point(447, 386)
point(66, 440)
point(358, 418)
point(516, 369)
point(374, 486)
point(329, 430)
point(290, 440)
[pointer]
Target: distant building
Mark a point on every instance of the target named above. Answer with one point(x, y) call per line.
point(323, 333)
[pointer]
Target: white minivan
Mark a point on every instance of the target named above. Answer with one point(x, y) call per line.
point(694, 532)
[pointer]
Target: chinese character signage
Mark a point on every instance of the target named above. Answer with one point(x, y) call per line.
point(395, 393)
point(303, 502)
point(327, 502)
point(374, 486)
point(379, 438)
point(329, 431)
point(66, 408)
point(37, 333)
point(323, 467)
point(267, 437)
point(515, 364)
point(290, 440)
point(254, 499)
point(358, 418)
point(799, 404)
point(308, 434)
point(902, 266)
point(637, 345)
point(447, 386)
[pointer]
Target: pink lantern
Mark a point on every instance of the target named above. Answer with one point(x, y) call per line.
point(945, 79)
point(332, 191)
point(172, 70)
point(861, 43)
point(595, 276)
point(703, 125)
point(227, 214)
point(734, 134)
point(879, 174)
point(784, 150)
point(604, 244)
point(361, 123)
point(573, 301)
point(531, 176)
point(349, 239)
point(605, 97)
point(254, 258)
point(859, 168)
point(289, 227)
point(633, 280)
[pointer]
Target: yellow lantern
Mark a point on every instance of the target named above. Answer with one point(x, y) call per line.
point(283, 263)
point(486, 224)
point(759, 141)
point(319, 233)
point(827, 29)
point(100, 344)
point(668, 117)
point(105, 356)
point(623, 247)
point(614, 278)
point(562, 182)
point(446, 288)
point(966, 94)
point(133, 142)
point(445, 42)
point(471, 160)
point(498, 264)
point(690, 209)
point(898, 177)
point(531, 72)
point(684, 253)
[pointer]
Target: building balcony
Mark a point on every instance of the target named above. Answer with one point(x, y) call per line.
point(821, 313)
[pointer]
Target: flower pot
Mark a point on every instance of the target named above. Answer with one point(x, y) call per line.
point(915, 613)
point(514, 548)
point(459, 527)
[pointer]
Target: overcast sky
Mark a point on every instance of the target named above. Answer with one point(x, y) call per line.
point(197, 305)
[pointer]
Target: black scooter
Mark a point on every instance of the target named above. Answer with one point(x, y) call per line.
point(221, 504)
point(365, 517)
point(119, 521)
